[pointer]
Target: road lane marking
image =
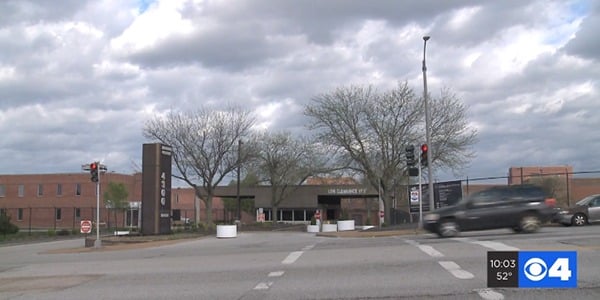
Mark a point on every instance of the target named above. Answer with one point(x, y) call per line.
point(429, 250)
point(263, 285)
point(497, 246)
point(292, 257)
point(309, 247)
point(276, 274)
point(455, 270)
point(489, 294)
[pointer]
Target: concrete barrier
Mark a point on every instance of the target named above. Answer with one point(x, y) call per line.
point(226, 231)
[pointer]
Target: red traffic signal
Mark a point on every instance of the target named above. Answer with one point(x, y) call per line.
point(424, 149)
point(94, 172)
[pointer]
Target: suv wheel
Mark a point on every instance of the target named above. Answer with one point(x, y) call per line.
point(530, 223)
point(448, 228)
point(579, 219)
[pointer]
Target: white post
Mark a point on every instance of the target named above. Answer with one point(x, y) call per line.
point(98, 242)
point(420, 197)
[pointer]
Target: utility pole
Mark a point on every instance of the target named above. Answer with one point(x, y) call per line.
point(427, 128)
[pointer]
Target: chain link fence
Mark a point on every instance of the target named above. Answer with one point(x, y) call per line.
point(31, 219)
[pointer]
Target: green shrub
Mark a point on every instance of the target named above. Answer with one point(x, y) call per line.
point(62, 232)
point(204, 227)
point(6, 227)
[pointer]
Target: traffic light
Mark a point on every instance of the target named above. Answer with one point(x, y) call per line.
point(424, 150)
point(94, 171)
point(410, 155)
point(410, 161)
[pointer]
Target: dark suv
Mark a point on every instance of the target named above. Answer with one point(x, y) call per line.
point(522, 208)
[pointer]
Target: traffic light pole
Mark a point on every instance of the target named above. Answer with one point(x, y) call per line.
point(95, 169)
point(420, 197)
point(98, 242)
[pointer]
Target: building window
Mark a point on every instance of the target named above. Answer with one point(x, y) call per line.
point(2, 211)
point(298, 215)
point(77, 212)
point(59, 189)
point(286, 215)
point(2, 190)
point(20, 214)
point(78, 189)
point(40, 191)
point(21, 190)
point(58, 214)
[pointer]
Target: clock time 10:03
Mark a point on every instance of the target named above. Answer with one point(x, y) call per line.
point(503, 268)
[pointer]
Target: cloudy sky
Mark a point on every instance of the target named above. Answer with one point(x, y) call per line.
point(78, 79)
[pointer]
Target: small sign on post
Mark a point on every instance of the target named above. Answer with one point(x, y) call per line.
point(260, 218)
point(86, 226)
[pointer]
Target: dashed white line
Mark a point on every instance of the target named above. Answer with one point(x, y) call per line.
point(276, 274)
point(497, 246)
point(292, 257)
point(455, 270)
point(263, 285)
point(426, 248)
point(430, 251)
point(489, 294)
point(309, 247)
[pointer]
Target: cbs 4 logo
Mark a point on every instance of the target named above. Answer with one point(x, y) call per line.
point(536, 269)
point(547, 269)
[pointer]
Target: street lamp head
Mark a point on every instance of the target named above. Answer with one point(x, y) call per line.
point(426, 38)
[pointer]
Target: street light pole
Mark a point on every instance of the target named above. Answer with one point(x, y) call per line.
point(427, 128)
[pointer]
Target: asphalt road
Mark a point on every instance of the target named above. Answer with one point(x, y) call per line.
point(293, 265)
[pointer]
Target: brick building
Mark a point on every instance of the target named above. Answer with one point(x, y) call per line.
point(63, 200)
point(567, 185)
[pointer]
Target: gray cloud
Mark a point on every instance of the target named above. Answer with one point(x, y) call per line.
point(16, 11)
point(586, 43)
point(78, 79)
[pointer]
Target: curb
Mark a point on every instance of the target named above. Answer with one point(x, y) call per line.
point(370, 234)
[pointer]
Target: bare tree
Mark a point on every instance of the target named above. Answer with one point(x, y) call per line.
point(204, 147)
point(115, 198)
point(284, 163)
point(450, 132)
point(371, 129)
